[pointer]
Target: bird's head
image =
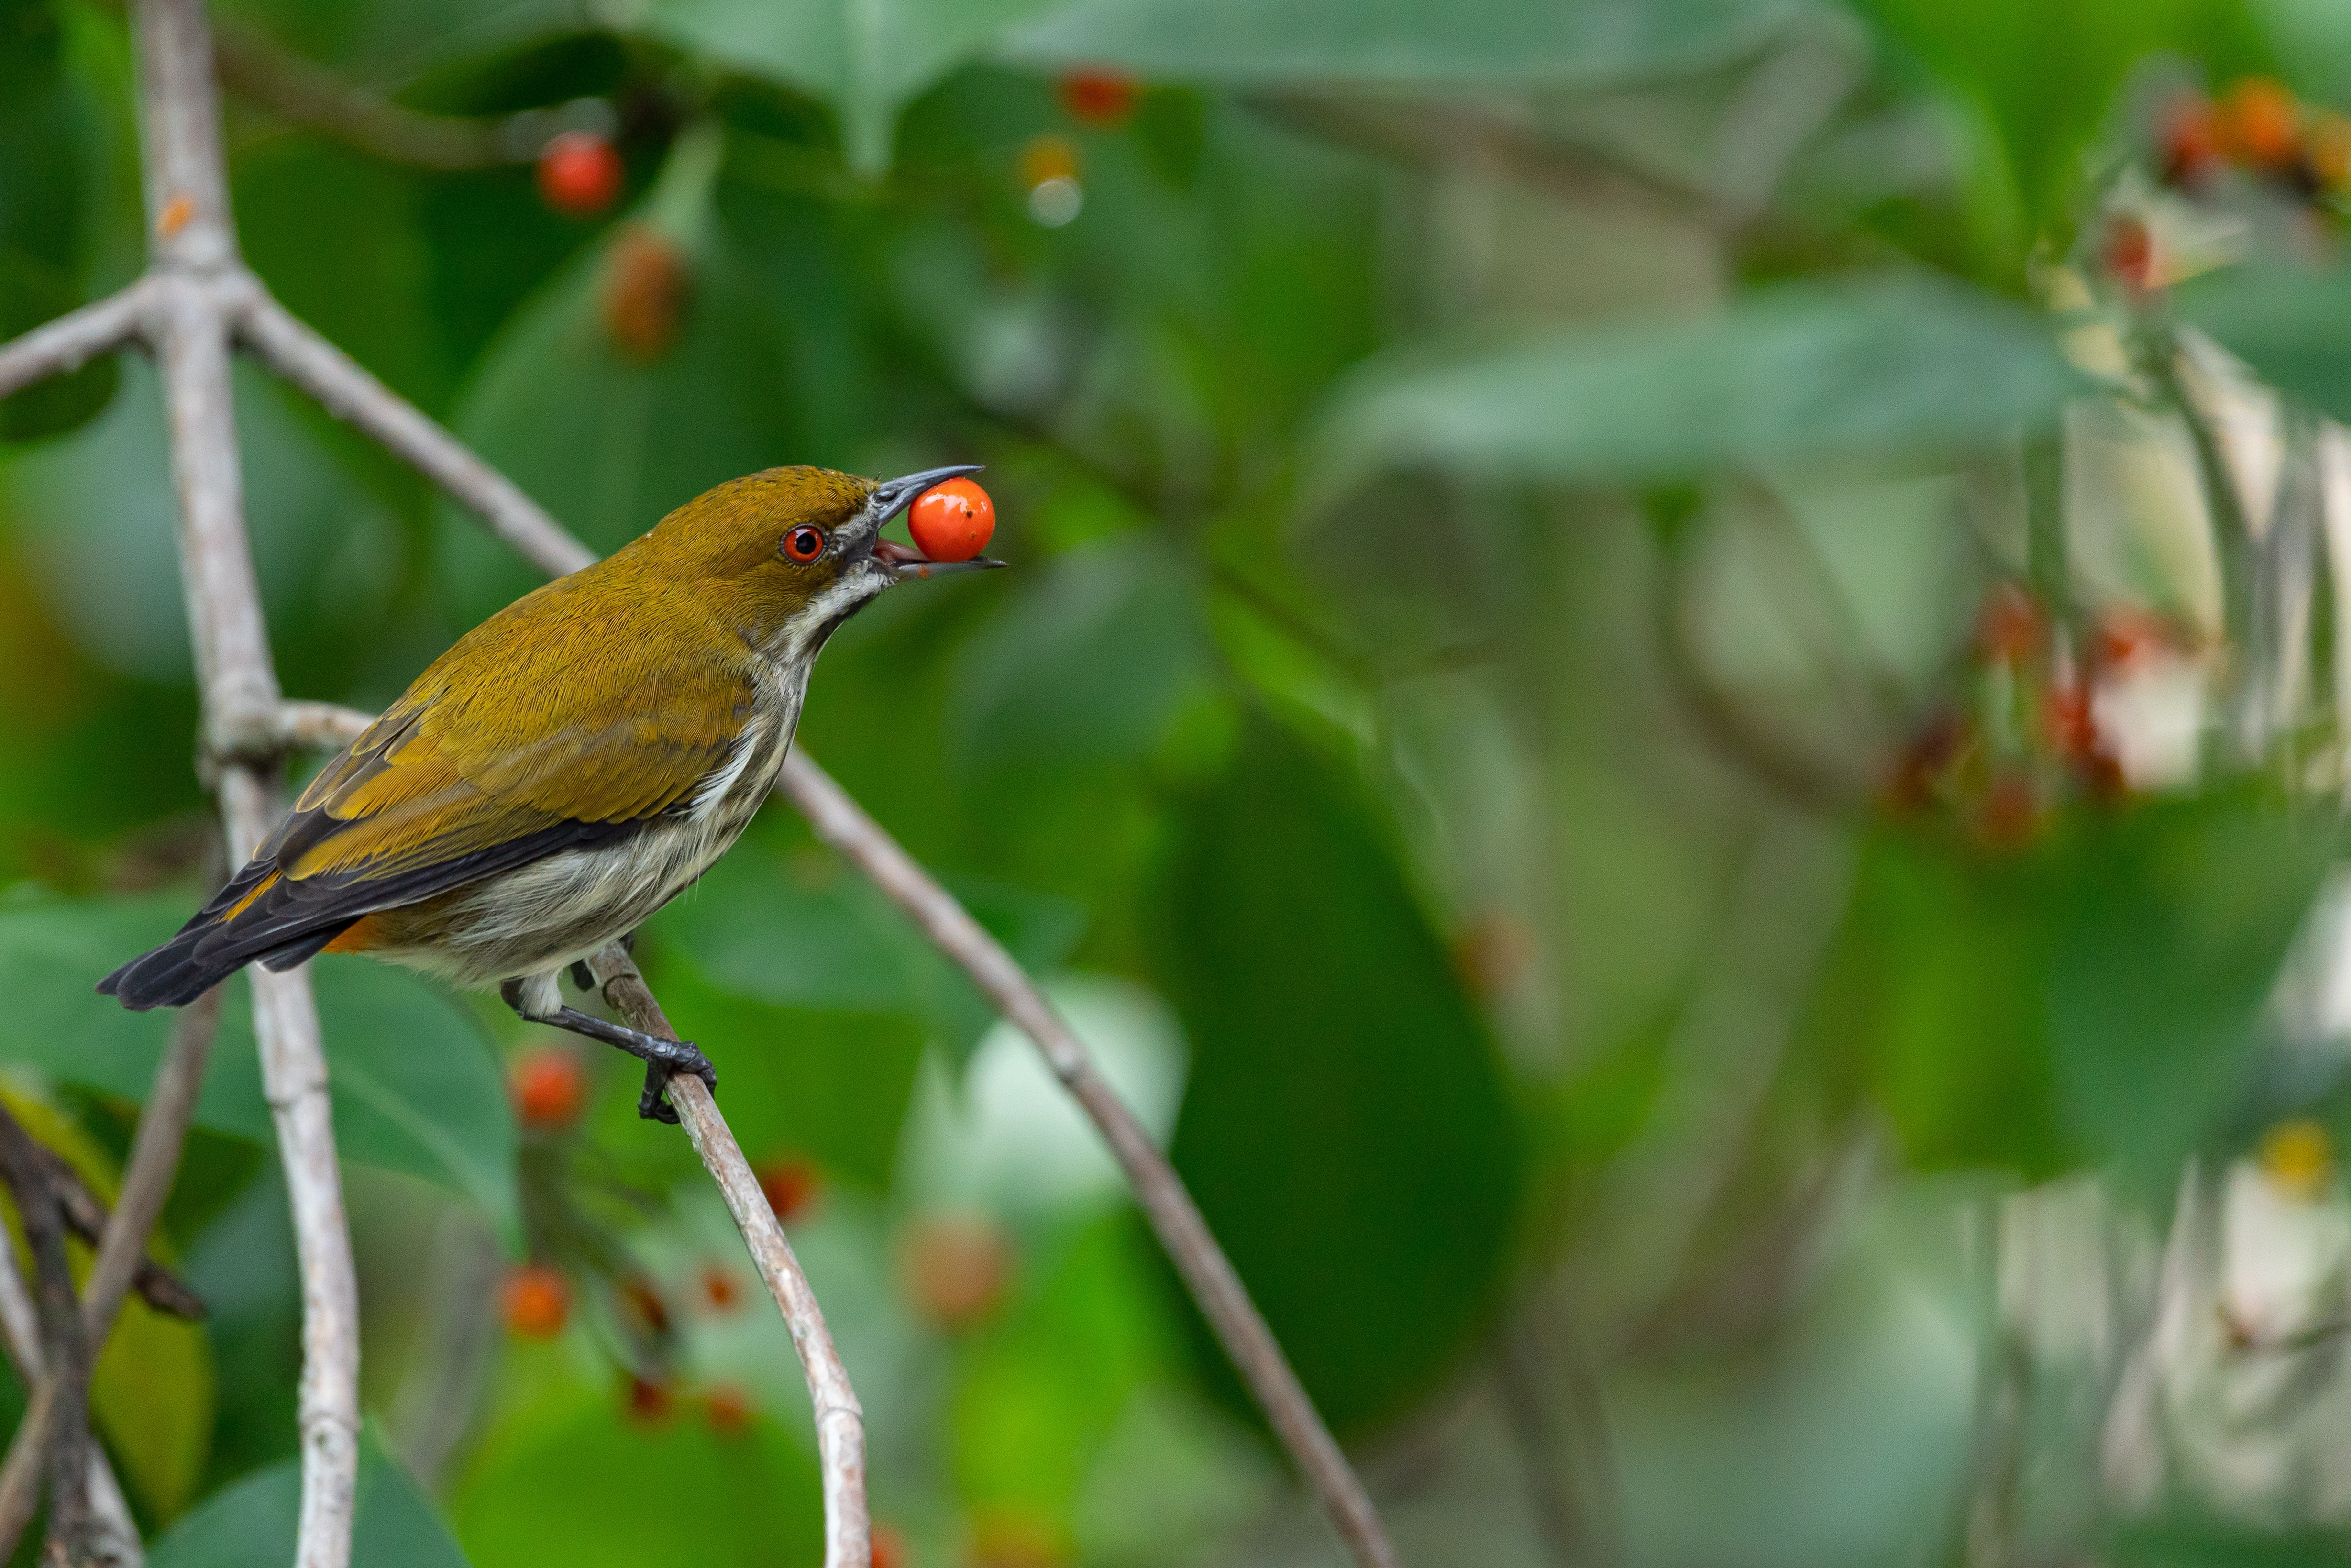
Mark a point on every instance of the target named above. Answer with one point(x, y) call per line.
point(788, 554)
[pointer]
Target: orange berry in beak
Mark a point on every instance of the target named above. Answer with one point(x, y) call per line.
point(953, 521)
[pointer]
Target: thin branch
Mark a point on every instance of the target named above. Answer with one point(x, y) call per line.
point(121, 1243)
point(349, 391)
point(65, 1453)
point(840, 821)
point(308, 94)
point(840, 1422)
point(66, 344)
point(87, 1220)
point(193, 248)
point(20, 1331)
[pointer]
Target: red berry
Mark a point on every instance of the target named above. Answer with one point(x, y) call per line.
point(889, 1547)
point(579, 174)
point(792, 1185)
point(953, 521)
point(727, 1409)
point(2190, 136)
point(954, 1268)
point(1099, 97)
point(721, 1292)
point(2129, 253)
point(536, 1299)
point(549, 1087)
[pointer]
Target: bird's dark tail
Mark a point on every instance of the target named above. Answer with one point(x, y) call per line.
point(216, 943)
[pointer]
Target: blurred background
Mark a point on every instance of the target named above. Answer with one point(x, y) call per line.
point(1674, 701)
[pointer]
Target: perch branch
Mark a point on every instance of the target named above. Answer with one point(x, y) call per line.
point(295, 90)
point(840, 1422)
point(349, 389)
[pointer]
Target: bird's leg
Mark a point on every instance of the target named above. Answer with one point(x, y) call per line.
point(584, 977)
point(662, 1058)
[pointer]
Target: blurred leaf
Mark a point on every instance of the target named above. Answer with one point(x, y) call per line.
point(2291, 324)
point(51, 160)
point(1038, 1394)
point(1890, 367)
point(2177, 925)
point(1937, 985)
point(2046, 76)
point(1563, 43)
point(1083, 665)
point(609, 441)
point(865, 57)
point(2202, 1542)
point(803, 930)
point(591, 1488)
point(253, 1522)
point(415, 1087)
point(1345, 1128)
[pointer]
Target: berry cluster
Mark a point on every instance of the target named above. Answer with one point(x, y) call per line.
point(2260, 128)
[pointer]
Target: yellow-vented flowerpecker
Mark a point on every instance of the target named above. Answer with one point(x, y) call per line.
point(569, 766)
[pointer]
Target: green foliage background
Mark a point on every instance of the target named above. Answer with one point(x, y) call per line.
point(1597, 1098)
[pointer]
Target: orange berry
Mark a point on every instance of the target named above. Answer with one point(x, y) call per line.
point(953, 521)
point(889, 1547)
point(2127, 634)
point(1017, 1538)
point(647, 1402)
point(727, 1409)
point(646, 280)
point(579, 174)
point(792, 1185)
point(536, 1299)
point(1099, 97)
point(2260, 124)
point(721, 1292)
point(955, 1270)
point(549, 1087)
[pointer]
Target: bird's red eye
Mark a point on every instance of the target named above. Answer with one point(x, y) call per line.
point(804, 545)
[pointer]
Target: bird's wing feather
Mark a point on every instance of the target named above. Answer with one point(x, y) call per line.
point(510, 748)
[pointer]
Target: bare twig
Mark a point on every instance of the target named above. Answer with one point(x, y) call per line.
point(194, 248)
point(121, 1242)
point(294, 89)
point(87, 1220)
point(66, 344)
point(64, 1351)
point(840, 1423)
point(20, 1332)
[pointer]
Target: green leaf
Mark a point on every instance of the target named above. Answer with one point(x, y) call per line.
point(802, 930)
point(591, 1489)
point(2178, 921)
point(1893, 367)
point(415, 1086)
point(2291, 324)
point(867, 58)
point(1566, 43)
point(1086, 664)
point(2187, 1540)
point(1345, 1128)
point(254, 1520)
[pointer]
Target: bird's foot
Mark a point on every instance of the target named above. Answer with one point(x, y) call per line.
point(663, 1058)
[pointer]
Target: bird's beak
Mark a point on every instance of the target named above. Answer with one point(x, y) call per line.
point(895, 496)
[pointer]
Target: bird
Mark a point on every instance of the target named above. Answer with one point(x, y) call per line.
point(570, 765)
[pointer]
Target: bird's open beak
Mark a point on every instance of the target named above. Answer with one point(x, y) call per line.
point(895, 496)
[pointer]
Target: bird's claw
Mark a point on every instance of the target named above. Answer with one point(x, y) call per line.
point(683, 1057)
